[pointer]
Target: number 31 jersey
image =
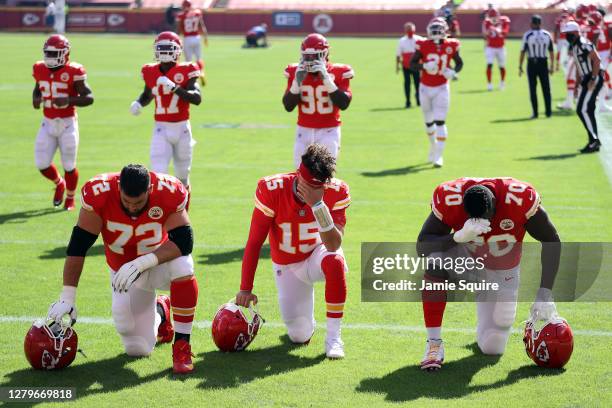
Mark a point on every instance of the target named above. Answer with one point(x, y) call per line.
point(125, 237)
point(168, 106)
point(515, 202)
point(441, 54)
point(316, 109)
point(294, 232)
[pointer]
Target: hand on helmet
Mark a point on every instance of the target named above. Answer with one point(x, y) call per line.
point(64, 306)
point(245, 297)
point(544, 306)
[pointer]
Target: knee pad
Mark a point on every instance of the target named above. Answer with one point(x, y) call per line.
point(493, 341)
point(181, 267)
point(504, 314)
point(300, 329)
point(136, 346)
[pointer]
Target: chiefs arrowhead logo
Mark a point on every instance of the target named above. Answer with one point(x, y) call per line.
point(178, 78)
point(30, 19)
point(48, 361)
point(156, 213)
point(542, 352)
point(506, 224)
point(241, 342)
point(65, 77)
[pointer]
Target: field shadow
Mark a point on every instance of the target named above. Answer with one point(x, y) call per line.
point(395, 108)
point(401, 171)
point(547, 157)
point(23, 216)
point(60, 252)
point(234, 255)
point(474, 91)
point(513, 120)
point(229, 370)
point(102, 376)
point(452, 381)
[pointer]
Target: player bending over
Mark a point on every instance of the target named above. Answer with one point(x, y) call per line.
point(485, 215)
point(303, 213)
point(60, 87)
point(148, 242)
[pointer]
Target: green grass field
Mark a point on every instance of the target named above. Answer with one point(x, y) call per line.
point(243, 133)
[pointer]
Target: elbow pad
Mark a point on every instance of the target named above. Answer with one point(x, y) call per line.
point(80, 242)
point(183, 238)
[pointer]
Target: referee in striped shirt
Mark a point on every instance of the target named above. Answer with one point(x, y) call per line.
point(590, 78)
point(538, 45)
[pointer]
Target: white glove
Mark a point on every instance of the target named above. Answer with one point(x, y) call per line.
point(430, 66)
point(448, 73)
point(472, 228)
point(300, 74)
point(166, 83)
point(544, 306)
point(64, 306)
point(135, 108)
point(321, 68)
point(125, 277)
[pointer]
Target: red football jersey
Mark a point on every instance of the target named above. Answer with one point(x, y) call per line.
point(516, 202)
point(294, 232)
point(58, 84)
point(495, 34)
point(168, 106)
point(442, 54)
point(316, 110)
point(559, 23)
point(126, 238)
point(603, 42)
point(189, 22)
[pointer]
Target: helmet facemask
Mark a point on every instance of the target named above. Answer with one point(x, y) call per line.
point(55, 57)
point(310, 56)
point(436, 32)
point(167, 51)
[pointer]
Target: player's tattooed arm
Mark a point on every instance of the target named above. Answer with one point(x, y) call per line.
point(190, 93)
point(290, 100)
point(541, 228)
point(458, 62)
point(84, 97)
point(145, 97)
point(435, 236)
point(36, 97)
point(415, 61)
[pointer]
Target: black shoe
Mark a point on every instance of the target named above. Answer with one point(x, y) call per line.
point(534, 116)
point(548, 114)
point(408, 104)
point(591, 147)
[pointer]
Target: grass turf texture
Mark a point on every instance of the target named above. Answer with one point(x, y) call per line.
point(383, 159)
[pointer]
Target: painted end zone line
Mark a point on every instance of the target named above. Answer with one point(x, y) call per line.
point(206, 324)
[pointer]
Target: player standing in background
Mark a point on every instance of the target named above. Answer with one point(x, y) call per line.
point(60, 87)
point(495, 28)
point(432, 57)
point(190, 23)
point(597, 33)
point(303, 213)
point(320, 90)
point(148, 242)
point(174, 87)
point(405, 49)
point(486, 219)
point(566, 61)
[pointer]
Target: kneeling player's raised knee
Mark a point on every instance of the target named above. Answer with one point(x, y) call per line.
point(493, 342)
point(300, 330)
point(136, 346)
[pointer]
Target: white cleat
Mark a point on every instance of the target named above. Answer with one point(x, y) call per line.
point(334, 348)
point(502, 85)
point(439, 162)
point(489, 87)
point(566, 105)
point(434, 355)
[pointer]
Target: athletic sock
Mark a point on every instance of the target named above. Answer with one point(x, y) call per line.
point(183, 298)
point(52, 174)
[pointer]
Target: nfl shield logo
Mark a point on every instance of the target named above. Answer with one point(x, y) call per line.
point(178, 77)
point(302, 213)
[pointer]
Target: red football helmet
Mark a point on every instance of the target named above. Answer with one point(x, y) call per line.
point(56, 51)
point(315, 47)
point(552, 345)
point(596, 18)
point(167, 47)
point(581, 11)
point(50, 346)
point(492, 14)
point(437, 29)
point(231, 330)
point(186, 4)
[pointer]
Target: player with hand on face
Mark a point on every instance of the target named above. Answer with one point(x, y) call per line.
point(303, 213)
point(148, 242)
point(432, 57)
point(174, 87)
point(60, 87)
point(473, 218)
point(320, 90)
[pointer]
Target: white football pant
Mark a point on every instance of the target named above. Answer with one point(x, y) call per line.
point(304, 137)
point(564, 57)
point(296, 292)
point(435, 101)
point(135, 313)
point(172, 140)
point(496, 54)
point(62, 133)
point(192, 47)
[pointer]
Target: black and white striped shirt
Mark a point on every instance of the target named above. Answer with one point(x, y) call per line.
point(580, 51)
point(536, 43)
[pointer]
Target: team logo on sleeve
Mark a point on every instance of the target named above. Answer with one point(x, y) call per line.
point(506, 224)
point(156, 213)
point(65, 77)
point(449, 50)
point(178, 77)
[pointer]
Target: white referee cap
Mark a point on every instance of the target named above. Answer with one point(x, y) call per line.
point(570, 26)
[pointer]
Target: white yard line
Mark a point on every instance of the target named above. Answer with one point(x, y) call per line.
point(604, 122)
point(205, 324)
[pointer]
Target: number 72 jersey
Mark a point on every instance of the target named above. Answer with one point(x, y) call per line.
point(125, 237)
point(168, 106)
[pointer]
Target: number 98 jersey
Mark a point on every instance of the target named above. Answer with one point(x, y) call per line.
point(168, 106)
point(515, 202)
point(294, 233)
point(125, 237)
point(316, 109)
point(441, 54)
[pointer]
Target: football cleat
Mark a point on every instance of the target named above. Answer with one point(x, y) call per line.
point(231, 330)
point(552, 345)
point(434, 355)
point(489, 87)
point(439, 162)
point(50, 345)
point(181, 358)
point(502, 85)
point(591, 147)
point(58, 196)
point(69, 204)
point(566, 105)
point(165, 331)
point(334, 348)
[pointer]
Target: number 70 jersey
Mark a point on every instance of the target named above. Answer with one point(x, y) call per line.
point(168, 106)
point(125, 237)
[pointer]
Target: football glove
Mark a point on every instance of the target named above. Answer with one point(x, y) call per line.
point(430, 66)
point(64, 306)
point(448, 73)
point(472, 228)
point(125, 277)
point(166, 83)
point(135, 108)
point(544, 306)
point(321, 68)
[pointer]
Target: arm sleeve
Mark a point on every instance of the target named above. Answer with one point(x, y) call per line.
point(194, 71)
point(260, 226)
point(79, 73)
point(289, 75)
